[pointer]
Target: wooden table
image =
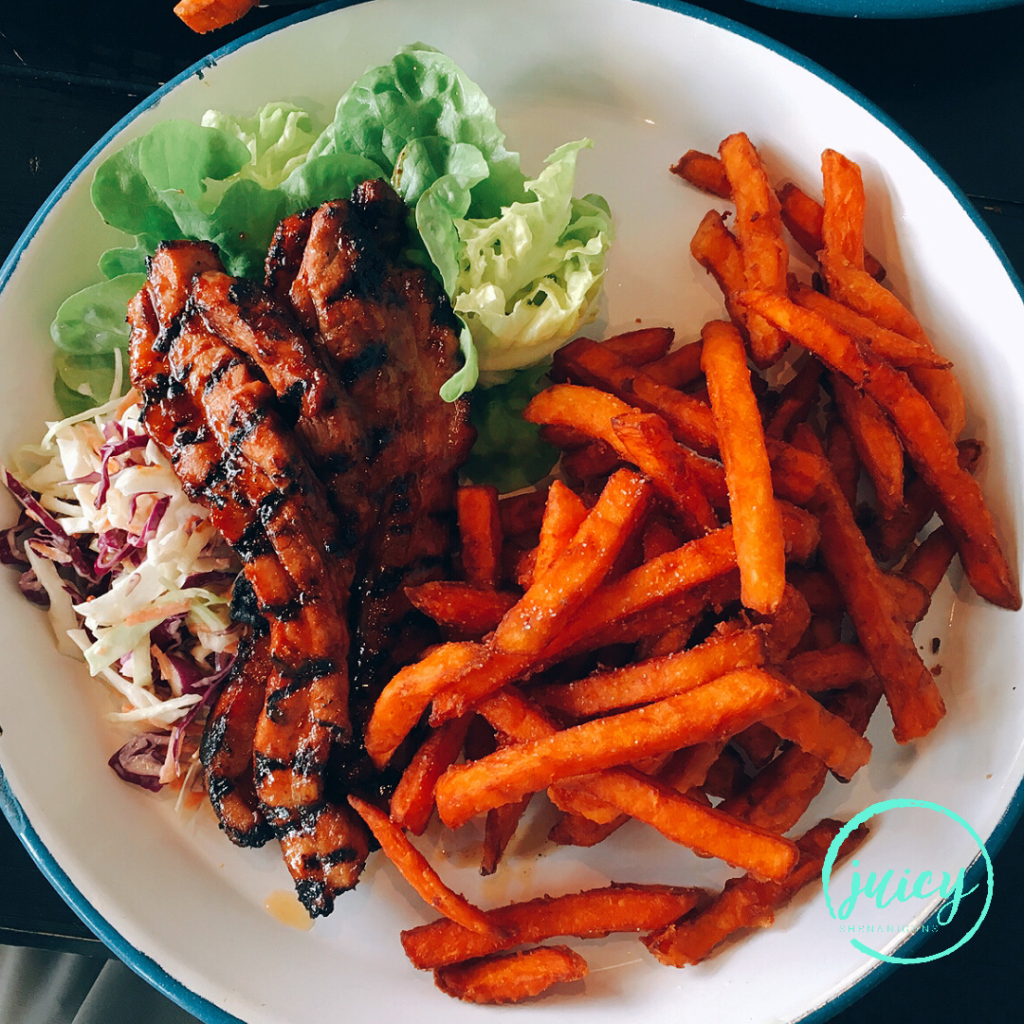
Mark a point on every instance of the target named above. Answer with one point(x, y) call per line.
point(70, 69)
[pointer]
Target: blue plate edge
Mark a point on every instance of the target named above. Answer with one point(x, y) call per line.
point(138, 961)
point(881, 10)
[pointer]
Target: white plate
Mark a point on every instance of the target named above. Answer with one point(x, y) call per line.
point(184, 907)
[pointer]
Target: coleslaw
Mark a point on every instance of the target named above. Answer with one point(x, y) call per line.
point(136, 580)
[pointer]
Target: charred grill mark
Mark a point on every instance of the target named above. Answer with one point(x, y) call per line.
point(253, 543)
point(165, 338)
point(285, 254)
point(245, 606)
point(309, 394)
point(325, 855)
point(369, 360)
point(226, 750)
point(299, 679)
point(291, 402)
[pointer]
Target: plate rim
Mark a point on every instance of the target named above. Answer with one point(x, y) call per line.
point(200, 1006)
point(886, 10)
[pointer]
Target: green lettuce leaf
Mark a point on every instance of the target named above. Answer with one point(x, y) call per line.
point(509, 452)
point(88, 328)
point(422, 93)
point(530, 278)
point(278, 138)
point(92, 321)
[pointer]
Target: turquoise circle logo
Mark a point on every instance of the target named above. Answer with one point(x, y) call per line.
point(923, 887)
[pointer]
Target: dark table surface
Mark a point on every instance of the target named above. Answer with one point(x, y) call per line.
point(69, 70)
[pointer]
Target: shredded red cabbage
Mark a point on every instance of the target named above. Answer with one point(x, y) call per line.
point(112, 449)
point(29, 585)
point(57, 537)
point(117, 545)
point(10, 551)
point(140, 760)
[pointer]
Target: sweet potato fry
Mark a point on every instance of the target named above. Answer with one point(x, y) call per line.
point(796, 398)
point(412, 801)
point(563, 516)
point(480, 534)
point(842, 224)
point(896, 348)
point(778, 795)
point(758, 228)
point(910, 689)
point(657, 678)
point(878, 448)
point(407, 695)
point(803, 217)
point(415, 869)
point(842, 457)
point(642, 346)
point(786, 625)
point(591, 913)
point(715, 248)
point(830, 668)
point(758, 744)
point(589, 363)
point(466, 610)
point(747, 902)
point(930, 560)
point(819, 590)
point(575, 573)
point(815, 730)
point(206, 15)
point(593, 461)
point(719, 708)
point(511, 977)
point(677, 817)
point(705, 172)
point(579, 830)
point(678, 368)
point(910, 599)
point(588, 410)
point(501, 826)
point(862, 293)
point(890, 537)
point(522, 513)
point(646, 441)
point(959, 499)
point(698, 826)
point(925, 439)
point(582, 803)
point(757, 521)
point(643, 439)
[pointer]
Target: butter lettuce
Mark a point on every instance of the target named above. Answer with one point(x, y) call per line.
point(278, 137)
point(88, 330)
point(529, 279)
point(183, 180)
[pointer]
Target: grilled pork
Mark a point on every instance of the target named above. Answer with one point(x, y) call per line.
point(304, 414)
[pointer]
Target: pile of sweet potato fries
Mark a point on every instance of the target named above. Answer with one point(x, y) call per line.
point(692, 626)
